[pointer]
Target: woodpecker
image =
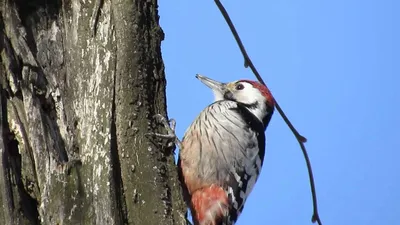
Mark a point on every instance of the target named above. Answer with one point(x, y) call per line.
point(222, 152)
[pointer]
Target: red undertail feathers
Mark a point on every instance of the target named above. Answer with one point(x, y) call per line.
point(209, 205)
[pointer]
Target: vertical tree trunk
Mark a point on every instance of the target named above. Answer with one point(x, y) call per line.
point(80, 82)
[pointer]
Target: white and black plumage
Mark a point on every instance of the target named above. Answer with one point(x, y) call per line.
point(223, 150)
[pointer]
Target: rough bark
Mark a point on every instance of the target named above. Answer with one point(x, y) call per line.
point(80, 83)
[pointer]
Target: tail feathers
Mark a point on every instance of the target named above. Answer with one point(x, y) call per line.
point(210, 206)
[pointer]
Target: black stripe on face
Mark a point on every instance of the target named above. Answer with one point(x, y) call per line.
point(251, 106)
point(268, 115)
point(229, 96)
point(270, 110)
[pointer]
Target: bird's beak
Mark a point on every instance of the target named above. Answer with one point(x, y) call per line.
point(218, 88)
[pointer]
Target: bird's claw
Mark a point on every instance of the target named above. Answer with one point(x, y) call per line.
point(169, 125)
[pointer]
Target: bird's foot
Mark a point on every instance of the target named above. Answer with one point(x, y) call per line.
point(169, 125)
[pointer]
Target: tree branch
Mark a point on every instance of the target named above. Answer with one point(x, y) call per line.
point(300, 138)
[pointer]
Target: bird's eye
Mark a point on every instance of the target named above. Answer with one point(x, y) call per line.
point(239, 87)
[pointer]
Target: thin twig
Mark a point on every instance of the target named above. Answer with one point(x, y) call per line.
point(300, 138)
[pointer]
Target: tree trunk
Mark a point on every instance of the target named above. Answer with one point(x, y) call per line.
point(80, 83)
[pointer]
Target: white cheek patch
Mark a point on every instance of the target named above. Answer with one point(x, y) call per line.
point(245, 98)
point(249, 94)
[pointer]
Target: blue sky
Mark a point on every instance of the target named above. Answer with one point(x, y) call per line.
point(334, 67)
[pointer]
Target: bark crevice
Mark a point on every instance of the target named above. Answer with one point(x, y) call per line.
point(118, 189)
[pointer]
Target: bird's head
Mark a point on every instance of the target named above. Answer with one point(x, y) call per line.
point(253, 95)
